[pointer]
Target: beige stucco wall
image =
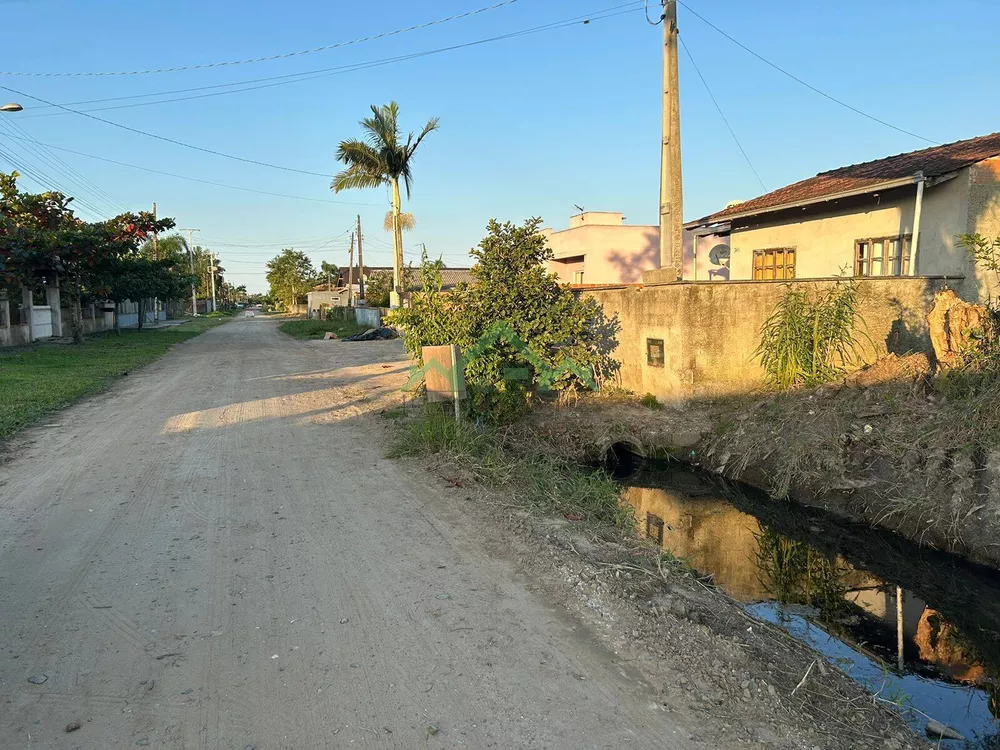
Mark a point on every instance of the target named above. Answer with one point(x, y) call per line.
point(984, 218)
point(824, 239)
point(711, 330)
point(711, 535)
point(315, 300)
point(612, 254)
point(605, 218)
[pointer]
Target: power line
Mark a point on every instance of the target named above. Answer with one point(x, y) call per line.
point(308, 75)
point(721, 113)
point(163, 137)
point(204, 182)
point(557, 24)
point(266, 58)
point(61, 166)
point(799, 80)
point(23, 163)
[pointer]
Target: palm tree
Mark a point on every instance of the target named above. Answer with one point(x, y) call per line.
point(405, 220)
point(382, 158)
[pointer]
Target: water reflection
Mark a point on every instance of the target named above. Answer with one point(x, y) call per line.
point(892, 614)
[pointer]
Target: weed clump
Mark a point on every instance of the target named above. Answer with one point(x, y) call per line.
point(539, 482)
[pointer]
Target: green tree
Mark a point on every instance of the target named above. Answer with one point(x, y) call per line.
point(290, 275)
point(379, 284)
point(377, 289)
point(40, 236)
point(329, 272)
point(137, 278)
point(382, 158)
point(511, 286)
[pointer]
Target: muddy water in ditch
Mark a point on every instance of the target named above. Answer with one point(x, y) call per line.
point(918, 627)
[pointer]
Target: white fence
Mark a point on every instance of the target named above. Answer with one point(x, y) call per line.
point(53, 320)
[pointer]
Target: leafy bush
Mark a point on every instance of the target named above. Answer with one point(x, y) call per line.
point(519, 328)
point(377, 289)
point(809, 339)
point(340, 313)
point(651, 402)
point(379, 285)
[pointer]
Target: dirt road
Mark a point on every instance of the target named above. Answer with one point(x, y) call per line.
point(215, 554)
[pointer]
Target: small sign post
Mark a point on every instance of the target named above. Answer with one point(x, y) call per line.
point(443, 374)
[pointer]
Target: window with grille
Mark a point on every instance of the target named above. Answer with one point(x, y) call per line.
point(882, 256)
point(774, 263)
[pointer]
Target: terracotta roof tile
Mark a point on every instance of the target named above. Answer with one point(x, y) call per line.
point(934, 161)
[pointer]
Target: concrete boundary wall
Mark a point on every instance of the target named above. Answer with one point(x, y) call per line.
point(368, 316)
point(52, 321)
point(710, 331)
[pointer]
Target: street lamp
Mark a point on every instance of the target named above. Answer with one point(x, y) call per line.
point(11, 107)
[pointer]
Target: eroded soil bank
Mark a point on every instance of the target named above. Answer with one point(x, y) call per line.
point(916, 458)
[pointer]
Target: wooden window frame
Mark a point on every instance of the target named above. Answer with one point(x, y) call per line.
point(773, 264)
point(888, 261)
point(654, 528)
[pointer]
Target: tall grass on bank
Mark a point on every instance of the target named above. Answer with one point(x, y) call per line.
point(810, 338)
point(540, 482)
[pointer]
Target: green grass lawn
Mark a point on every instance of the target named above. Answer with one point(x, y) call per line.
point(43, 377)
point(315, 329)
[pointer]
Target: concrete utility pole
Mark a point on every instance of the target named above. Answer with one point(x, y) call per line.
point(361, 265)
point(194, 292)
point(156, 256)
point(671, 196)
point(350, 275)
point(212, 271)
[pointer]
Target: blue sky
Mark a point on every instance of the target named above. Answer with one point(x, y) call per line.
point(530, 126)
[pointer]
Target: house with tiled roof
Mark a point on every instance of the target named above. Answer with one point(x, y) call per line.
point(892, 217)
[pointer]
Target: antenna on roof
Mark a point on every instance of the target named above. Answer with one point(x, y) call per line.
point(578, 208)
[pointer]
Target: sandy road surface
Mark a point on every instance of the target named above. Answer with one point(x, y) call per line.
point(216, 555)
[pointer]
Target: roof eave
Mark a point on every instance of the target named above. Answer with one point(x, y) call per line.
point(888, 185)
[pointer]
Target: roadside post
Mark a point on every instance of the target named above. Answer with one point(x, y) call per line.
point(444, 376)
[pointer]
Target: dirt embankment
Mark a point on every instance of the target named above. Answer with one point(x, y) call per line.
point(916, 457)
point(700, 653)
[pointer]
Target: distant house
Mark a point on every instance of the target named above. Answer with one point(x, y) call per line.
point(897, 216)
point(324, 296)
point(450, 277)
point(599, 248)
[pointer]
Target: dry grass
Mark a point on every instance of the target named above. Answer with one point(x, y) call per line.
point(911, 456)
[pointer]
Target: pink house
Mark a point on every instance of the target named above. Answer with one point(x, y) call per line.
point(599, 248)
